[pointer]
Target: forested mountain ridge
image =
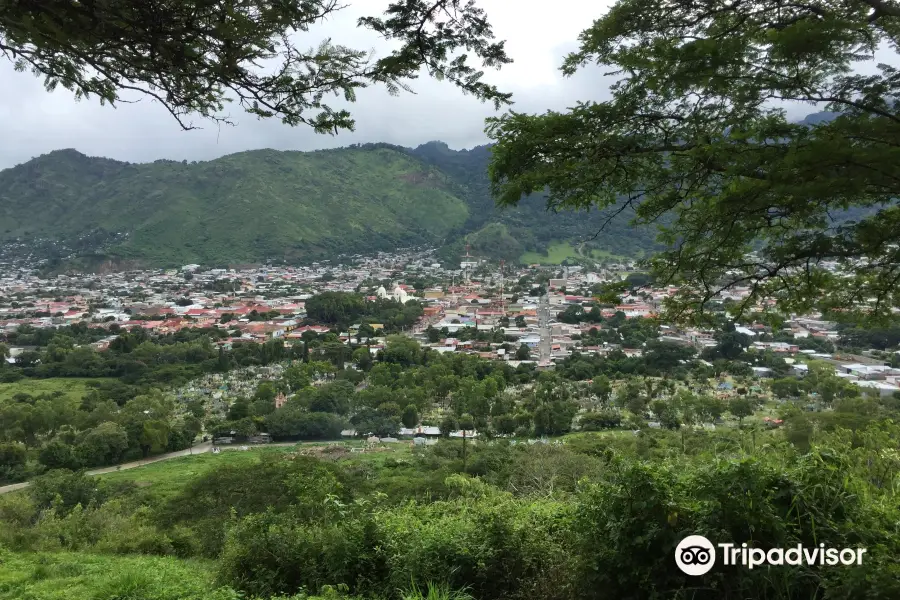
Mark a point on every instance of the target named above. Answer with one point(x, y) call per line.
point(507, 232)
point(250, 206)
point(268, 205)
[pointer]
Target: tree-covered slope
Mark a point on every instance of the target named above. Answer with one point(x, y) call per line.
point(271, 205)
point(530, 223)
point(249, 206)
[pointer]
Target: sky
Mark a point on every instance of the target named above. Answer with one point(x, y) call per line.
point(34, 122)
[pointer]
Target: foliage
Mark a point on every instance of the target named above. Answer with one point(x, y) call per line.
point(195, 57)
point(691, 141)
point(60, 576)
point(372, 197)
point(376, 200)
point(527, 524)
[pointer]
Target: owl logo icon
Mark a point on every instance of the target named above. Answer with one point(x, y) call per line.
point(695, 555)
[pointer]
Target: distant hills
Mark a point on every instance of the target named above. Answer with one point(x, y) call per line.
point(267, 205)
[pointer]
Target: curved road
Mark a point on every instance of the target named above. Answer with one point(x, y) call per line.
point(198, 449)
point(544, 329)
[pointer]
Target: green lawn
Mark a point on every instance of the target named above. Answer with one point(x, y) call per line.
point(70, 576)
point(71, 386)
point(166, 478)
point(560, 251)
point(556, 253)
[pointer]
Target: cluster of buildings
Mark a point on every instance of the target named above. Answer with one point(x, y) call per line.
point(262, 303)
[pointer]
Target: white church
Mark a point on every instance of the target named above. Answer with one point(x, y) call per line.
point(399, 294)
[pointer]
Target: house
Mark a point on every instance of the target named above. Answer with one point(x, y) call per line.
point(882, 388)
point(420, 431)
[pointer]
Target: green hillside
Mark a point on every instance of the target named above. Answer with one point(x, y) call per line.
point(535, 229)
point(244, 207)
point(87, 212)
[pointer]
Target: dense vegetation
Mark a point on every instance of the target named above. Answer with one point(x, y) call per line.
point(240, 208)
point(596, 518)
point(194, 59)
point(530, 226)
point(288, 205)
point(689, 139)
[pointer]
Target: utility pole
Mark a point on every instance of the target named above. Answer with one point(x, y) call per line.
point(464, 450)
point(502, 300)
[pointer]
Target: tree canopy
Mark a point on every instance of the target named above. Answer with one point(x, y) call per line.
point(195, 56)
point(696, 139)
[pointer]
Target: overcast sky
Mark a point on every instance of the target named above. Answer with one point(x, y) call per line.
point(34, 122)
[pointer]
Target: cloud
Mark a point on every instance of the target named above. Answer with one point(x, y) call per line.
point(35, 122)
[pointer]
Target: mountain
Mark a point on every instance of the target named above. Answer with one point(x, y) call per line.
point(244, 207)
point(819, 117)
point(269, 205)
point(530, 226)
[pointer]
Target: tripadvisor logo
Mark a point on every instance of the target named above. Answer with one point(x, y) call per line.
point(696, 555)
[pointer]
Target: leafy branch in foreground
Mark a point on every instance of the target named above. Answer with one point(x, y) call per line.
point(695, 138)
point(194, 56)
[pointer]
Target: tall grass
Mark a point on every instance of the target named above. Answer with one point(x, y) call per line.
point(435, 591)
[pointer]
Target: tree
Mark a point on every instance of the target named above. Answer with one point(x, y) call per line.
point(239, 410)
point(154, 436)
point(604, 419)
point(293, 424)
point(665, 356)
point(332, 398)
point(467, 422)
point(103, 445)
point(520, 321)
point(193, 57)
point(709, 408)
point(13, 456)
point(554, 418)
point(740, 408)
point(410, 416)
point(56, 454)
point(787, 387)
point(365, 331)
point(666, 413)
point(371, 421)
point(363, 358)
point(601, 388)
point(691, 140)
point(448, 425)
point(731, 345)
point(504, 424)
point(523, 352)
point(402, 351)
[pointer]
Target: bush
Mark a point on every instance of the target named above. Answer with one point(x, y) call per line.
point(65, 489)
point(294, 424)
point(597, 421)
point(300, 485)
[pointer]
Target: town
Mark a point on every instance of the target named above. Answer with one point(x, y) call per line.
point(535, 317)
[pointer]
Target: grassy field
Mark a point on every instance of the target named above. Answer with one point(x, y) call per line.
point(166, 478)
point(68, 576)
point(558, 252)
point(71, 386)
